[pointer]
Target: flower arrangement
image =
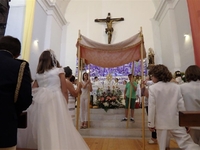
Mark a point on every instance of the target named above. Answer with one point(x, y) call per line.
point(109, 99)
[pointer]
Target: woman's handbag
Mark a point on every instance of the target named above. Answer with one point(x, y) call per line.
point(22, 118)
point(138, 104)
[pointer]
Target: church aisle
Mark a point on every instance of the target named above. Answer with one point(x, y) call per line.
point(120, 144)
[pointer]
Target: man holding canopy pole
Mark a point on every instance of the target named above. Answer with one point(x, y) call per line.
point(130, 95)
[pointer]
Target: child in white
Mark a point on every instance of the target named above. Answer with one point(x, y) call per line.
point(84, 100)
point(190, 91)
point(165, 101)
point(50, 126)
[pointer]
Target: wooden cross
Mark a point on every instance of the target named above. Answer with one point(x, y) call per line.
point(109, 30)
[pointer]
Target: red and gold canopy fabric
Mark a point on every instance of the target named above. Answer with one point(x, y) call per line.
point(111, 55)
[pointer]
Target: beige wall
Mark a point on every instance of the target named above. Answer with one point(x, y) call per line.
point(80, 15)
point(175, 51)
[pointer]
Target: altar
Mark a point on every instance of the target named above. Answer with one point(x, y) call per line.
point(120, 72)
point(108, 98)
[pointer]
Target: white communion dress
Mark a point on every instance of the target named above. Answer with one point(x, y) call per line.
point(50, 126)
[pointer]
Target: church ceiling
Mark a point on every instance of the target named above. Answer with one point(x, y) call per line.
point(62, 4)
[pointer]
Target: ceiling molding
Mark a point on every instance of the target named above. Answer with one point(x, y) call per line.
point(51, 8)
point(163, 7)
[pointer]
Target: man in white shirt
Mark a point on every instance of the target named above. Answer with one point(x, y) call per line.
point(178, 77)
point(95, 86)
point(97, 83)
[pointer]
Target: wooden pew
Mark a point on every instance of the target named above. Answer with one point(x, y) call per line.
point(189, 118)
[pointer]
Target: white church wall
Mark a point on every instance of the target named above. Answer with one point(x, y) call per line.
point(170, 45)
point(175, 52)
point(47, 33)
point(62, 5)
point(81, 15)
point(15, 22)
point(38, 37)
point(185, 42)
point(166, 42)
point(167, 28)
point(157, 42)
point(47, 28)
point(53, 35)
point(156, 3)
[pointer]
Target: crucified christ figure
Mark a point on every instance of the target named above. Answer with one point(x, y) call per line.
point(109, 30)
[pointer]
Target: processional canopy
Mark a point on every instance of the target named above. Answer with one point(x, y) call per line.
point(111, 55)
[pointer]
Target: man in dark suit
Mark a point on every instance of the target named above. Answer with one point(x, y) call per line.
point(10, 48)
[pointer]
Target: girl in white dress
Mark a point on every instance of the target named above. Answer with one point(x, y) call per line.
point(84, 100)
point(50, 122)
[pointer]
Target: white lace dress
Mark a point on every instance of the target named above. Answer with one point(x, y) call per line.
point(50, 125)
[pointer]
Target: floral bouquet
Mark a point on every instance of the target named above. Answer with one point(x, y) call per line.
point(109, 99)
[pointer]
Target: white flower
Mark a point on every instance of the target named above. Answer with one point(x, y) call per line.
point(106, 104)
point(113, 104)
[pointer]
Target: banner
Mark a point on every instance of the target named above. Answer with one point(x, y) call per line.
point(194, 13)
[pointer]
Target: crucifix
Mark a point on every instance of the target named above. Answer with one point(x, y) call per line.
point(109, 30)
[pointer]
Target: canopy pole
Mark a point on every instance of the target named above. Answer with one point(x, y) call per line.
point(129, 103)
point(142, 74)
point(79, 78)
point(89, 98)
